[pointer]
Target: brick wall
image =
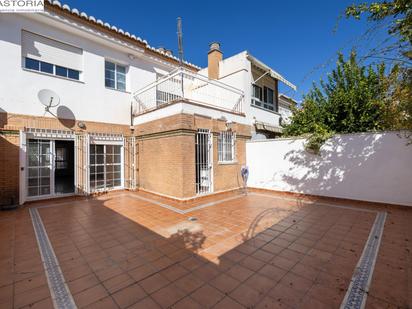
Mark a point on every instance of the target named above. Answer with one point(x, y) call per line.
point(166, 165)
point(9, 146)
point(19, 122)
point(9, 167)
point(227, 176)
point(166, 152)
point(167, 155)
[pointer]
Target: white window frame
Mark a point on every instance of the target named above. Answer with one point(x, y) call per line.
point(105, 164)
point(226, 147)
point(116, 65)
point(53, 74)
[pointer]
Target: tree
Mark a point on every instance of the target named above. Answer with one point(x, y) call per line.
point(352, 99)
point(398, 13)
point(358, 98)
point(399, 83)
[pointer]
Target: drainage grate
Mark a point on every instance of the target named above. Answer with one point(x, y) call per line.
point(357, 293)
point(192, 219)
point(61, 296)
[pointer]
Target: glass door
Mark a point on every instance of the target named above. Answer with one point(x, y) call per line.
point(105, 167)
point(39, 166)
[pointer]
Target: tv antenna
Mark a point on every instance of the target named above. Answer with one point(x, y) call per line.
point(49, 99)
point(180, 40)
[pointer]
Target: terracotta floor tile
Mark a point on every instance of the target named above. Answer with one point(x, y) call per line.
point(153, 283)
point(308, 302)
point(224, 283)
point(296, 282)
point(142, 272)
point(6, 294)
point(46, 303)
point(260, 283)
point(207, 296)
point(83, 283)
point(31, 296)
point(286, 295)
point(273, 272)
point(189, 283)
point(168, 296)
point(119, 240)
point(185, 303)
point(105, 303)
point(252, 263)
point(129, 295)
point(145, 303)
point(28, 284)
point(118, 282)
point(207, 272)
point(228, 303)
point(90, 296)
point(282, 262)
point(270, 303)
point(174, 272)
point(246, 296)
point(329, 296)
point(239, 272)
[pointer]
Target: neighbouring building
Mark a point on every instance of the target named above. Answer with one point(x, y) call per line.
point(86, 107)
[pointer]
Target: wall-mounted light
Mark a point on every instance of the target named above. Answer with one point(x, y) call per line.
point(229, 125)
point(81, 125)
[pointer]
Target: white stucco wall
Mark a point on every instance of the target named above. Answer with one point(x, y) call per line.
point(237, 72)
point(373, 167)
point(88, 99)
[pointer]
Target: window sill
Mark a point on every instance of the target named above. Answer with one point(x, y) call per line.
point(52, 75)
point(227, 162)
point(264, 109)
point(123, 91)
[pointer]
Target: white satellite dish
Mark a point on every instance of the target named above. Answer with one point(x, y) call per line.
point(48, 98)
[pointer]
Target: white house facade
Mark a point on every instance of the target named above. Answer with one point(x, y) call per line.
point(115, 103)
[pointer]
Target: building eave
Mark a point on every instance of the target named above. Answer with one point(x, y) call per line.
point(65, 10)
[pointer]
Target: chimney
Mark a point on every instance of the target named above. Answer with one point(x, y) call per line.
point(214, 56)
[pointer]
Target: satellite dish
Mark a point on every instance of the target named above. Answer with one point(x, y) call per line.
point(48, 98)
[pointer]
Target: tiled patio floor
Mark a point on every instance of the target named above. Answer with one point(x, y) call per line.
point(137, 250)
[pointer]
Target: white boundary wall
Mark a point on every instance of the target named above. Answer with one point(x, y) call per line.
point(373, 167)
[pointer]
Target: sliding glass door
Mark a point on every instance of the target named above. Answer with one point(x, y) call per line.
point(105, 167)
point(39, 166)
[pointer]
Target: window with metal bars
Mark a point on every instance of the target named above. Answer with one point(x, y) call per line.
point(226, 146)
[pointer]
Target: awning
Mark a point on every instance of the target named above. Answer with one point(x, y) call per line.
point(271, 72)
point(267, 127)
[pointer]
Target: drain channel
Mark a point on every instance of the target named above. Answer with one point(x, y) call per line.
point(60, 293)
point(357, 293)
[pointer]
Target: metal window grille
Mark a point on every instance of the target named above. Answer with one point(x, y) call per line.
point(130, 162)
point(203, 161)
point(81, 145)
point(226, 146)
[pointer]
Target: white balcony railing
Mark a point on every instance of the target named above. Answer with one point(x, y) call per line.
point(182, 85)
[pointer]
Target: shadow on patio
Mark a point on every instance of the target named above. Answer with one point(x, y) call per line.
point(114, 252)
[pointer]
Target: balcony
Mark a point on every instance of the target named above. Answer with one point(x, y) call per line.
point(188, 87)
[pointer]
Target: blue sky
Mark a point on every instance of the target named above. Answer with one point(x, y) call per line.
point(295, 38)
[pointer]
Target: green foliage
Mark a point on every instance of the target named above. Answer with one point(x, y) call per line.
point(358, 98)
point(317, 139)
point(399, 14)
point(351, 100)
point(398, 112)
